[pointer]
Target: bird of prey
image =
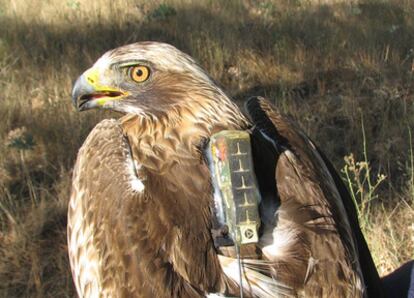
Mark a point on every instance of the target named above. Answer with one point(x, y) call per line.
point(140, 211)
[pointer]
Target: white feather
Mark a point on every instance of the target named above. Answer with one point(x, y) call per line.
point(134, 181)
point(278, 243)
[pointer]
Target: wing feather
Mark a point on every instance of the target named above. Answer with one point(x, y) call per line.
point(105, 184)
point(310, 240)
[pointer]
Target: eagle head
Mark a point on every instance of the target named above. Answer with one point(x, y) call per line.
point(145, 78)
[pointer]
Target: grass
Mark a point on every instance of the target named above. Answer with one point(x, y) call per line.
point(342, 69)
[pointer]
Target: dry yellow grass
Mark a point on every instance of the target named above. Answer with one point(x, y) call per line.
point(344, 70)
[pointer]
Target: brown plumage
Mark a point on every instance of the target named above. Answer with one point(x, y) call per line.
point(139, 222)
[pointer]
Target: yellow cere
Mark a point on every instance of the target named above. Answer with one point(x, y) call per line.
point(92, 76)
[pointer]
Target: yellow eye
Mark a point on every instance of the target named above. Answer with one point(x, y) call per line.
point(139, 73)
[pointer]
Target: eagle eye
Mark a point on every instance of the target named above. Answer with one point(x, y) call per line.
point(139, 73)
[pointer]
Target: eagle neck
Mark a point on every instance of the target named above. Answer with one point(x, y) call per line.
point(178, 136)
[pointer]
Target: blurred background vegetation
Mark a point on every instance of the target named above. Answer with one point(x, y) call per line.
point(342, 69)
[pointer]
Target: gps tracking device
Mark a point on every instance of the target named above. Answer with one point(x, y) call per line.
point(236, 193)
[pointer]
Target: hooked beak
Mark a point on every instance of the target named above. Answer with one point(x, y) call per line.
point(87, 93)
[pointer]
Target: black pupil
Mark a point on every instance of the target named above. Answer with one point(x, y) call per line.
point(139, 72)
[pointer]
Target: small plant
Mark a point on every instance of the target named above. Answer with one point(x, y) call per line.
point(162, 12)
point(358, 176)
point(362, 188)
point(20, 139)
point(72, 4)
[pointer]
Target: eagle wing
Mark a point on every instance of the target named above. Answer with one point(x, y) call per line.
point(110, 249)
point(105, 185)
point(307, 237)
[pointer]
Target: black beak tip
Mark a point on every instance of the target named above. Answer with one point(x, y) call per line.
point(76, 92)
